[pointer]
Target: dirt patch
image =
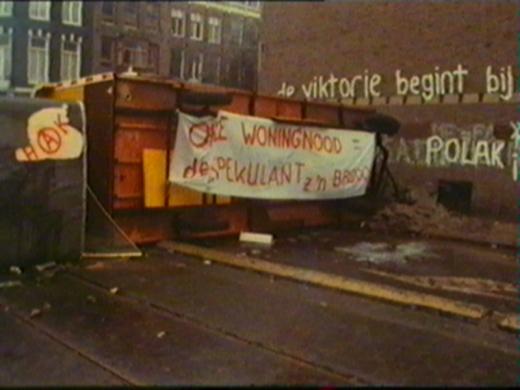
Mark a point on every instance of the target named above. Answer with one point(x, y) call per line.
point(424, 216)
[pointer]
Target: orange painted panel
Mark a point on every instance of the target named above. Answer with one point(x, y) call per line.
point(128, 180)
point(239, 105)
point(265, 107)
point(141, 122)
point(289, 109)
point(129, 144)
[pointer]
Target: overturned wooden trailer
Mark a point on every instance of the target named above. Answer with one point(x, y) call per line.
point(128, 114)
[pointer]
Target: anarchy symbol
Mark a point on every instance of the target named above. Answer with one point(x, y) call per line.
point(49, 140)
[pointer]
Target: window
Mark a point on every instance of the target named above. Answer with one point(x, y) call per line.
point(38, 58)
point(177, 64)
point(214, 30)
point(6, 42)
point(234, 72)
point(107, 10)
point(196, 67)
point(40, 10)
point(130, 13)
point(140, 57)
point(107, 49)
point(178, 24)
point(6, 8)
point(71, 12)
point(152, 15)
point(197, 27)
point(250, 34)
point(237, 29)
point(70, 58)
point(212, 69)
point(153, 57)
point(218, 70)
point(134, 54)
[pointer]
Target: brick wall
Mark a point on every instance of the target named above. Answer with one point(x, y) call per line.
point(301, 41)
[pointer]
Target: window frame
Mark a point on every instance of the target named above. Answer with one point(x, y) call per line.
point(5, 74)
point(180, 16)
point(35, 8)
point(197, 61)
point(76, 18)
point(76, 72)
point(240, 24)
point(214, 25)
point(6, 9)
point(46, 51)
point(200, 22)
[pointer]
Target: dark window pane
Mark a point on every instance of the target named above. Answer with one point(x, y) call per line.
point(108, 8)
point(176, 63)
point(107, 47)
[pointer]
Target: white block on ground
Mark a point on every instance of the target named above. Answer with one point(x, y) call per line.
point(258, 238)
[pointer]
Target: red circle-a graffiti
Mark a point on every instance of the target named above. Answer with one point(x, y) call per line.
point(199, 135)
point(49, 140)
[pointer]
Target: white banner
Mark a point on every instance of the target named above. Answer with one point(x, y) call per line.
point(245, 156)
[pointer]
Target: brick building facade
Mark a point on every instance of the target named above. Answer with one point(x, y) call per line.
point(209, 42)
point(42, 41)
point(447, 70)
point(51, 41)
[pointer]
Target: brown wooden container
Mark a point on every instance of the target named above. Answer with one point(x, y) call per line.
point(127, 114)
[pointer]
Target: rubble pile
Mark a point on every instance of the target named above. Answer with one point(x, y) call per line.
point(424, 216)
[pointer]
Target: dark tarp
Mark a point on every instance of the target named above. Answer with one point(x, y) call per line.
point(42, 203)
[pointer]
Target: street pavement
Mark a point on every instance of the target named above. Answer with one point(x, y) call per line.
point(476, 273)
point(169, 319)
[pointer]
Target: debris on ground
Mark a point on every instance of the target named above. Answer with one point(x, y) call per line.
point(45, 266)
point(46, 306)
point(382, 252)
point(479, 286)
point(255, 252)
point(114, 290)
point(10, 283)
point(95, 266)
point(15, 270)
point(256, 238)
point(161, 334)
point(207, 262)
point(510, 322)
point(91, 299)
point(424, 216)
point(180, 265)
point(323, 304)
point(35, 312)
